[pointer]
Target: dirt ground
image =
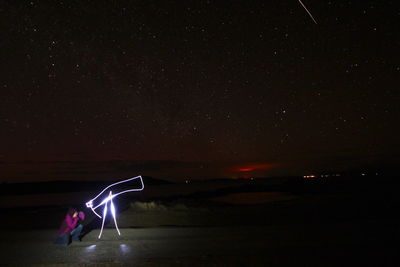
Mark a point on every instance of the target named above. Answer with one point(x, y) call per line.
point(301, 231)
point(339, 244)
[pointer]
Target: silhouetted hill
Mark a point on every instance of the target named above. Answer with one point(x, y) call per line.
point(63, 186)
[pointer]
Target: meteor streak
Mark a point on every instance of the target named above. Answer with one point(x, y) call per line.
point(309, 13)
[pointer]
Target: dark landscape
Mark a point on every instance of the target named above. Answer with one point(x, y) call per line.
point(217, 133)
point(330, 221)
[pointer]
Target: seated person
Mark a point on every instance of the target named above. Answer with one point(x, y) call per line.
point(70, 229)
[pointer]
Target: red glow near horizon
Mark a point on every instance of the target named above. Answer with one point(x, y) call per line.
point(254, 167)
point(246, 169)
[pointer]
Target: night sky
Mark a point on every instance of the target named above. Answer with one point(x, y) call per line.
point(197, 89)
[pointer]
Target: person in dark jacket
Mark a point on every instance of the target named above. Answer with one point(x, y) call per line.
point(70, 229)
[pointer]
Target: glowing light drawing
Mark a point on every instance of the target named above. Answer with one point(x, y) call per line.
point(309, 13)
point(109, 201)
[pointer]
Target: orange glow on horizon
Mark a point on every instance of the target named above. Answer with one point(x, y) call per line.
point(246, 169)
point(254, 167)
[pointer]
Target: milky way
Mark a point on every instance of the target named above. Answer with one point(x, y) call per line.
point(199, 88)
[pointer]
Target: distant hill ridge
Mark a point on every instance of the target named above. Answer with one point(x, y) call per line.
point(49, 187)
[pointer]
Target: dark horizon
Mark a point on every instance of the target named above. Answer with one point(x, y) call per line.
point(32, 171)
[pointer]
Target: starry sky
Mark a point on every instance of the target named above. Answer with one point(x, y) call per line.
point(196, 89)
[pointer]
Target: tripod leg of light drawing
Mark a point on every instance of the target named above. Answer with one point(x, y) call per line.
point(114, 215)
point(104, 217)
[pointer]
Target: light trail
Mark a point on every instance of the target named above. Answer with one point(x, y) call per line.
point(309, 13)
point(109, 201)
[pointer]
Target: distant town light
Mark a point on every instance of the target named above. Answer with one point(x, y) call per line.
point(311, 176)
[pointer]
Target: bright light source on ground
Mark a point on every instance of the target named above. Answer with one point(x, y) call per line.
point(90, 248)
point(124, 248)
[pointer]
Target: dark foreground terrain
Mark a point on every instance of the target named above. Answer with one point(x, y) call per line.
point(314, 225)
point(338, 244)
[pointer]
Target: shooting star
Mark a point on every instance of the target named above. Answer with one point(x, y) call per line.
point(308, 12)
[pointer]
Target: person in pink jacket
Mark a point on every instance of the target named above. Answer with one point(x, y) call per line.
point(70, 230)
